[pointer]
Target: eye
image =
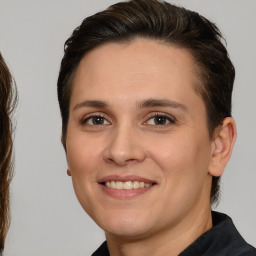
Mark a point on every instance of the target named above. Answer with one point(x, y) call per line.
point(160, 120)
point(95, 120)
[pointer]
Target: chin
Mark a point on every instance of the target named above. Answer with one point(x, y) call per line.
point(125, 225)
point(127, 231)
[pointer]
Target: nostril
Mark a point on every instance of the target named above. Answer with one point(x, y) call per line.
point(124, 150)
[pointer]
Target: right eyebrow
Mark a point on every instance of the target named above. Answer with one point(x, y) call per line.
point(91, 103)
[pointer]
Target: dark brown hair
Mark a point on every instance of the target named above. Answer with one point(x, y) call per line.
point(156, 20)
point(8, 99)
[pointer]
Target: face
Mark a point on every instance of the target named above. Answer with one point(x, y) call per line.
point(137, 144)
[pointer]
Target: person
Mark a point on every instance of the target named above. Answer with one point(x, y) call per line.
point(144, 91)
point(8, 98)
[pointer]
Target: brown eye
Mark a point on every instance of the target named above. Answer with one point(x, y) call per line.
point(160, 120)
point(95, 120)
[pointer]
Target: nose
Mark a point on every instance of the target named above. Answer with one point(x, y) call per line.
point(124, 147)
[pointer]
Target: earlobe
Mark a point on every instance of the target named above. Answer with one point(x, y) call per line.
point(222, 146)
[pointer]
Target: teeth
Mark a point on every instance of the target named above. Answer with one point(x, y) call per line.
point(136, 184)
point(127, 184)
point(112, 184)
point(119, 185)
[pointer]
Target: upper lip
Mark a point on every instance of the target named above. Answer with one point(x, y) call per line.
point(125, 178)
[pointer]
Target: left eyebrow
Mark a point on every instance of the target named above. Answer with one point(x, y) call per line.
point(160, 103)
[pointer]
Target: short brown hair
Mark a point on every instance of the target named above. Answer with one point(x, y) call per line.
point(8, 101)
point(157, 20)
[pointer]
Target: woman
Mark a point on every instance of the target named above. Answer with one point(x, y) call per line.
point(7, 105)
point(145, 96)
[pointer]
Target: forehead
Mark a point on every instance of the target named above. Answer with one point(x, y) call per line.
point(142, 63)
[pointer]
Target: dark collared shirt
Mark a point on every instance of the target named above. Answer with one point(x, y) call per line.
point(222, 240)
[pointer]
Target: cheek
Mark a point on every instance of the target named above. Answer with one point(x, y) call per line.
point(184, 162)
point(84, 162)
point(82, 154)
point(182, 156)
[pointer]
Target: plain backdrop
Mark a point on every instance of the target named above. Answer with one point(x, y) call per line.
point(47, 220)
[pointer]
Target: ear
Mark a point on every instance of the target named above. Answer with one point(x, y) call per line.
point(222, 146)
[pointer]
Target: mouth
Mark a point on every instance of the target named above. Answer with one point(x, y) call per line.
point(126, 187)
point(127, 184)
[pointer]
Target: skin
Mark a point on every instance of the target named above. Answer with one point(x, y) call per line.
point(176, 153)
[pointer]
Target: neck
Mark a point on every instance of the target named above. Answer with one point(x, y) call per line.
point(168, 242)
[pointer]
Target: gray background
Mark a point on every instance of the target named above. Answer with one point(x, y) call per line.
point(46, 217)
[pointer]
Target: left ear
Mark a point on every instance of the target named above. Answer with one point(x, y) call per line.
point(222, 146)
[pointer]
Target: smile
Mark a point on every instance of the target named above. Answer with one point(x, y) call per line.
point(125, 187)
point(127, 184)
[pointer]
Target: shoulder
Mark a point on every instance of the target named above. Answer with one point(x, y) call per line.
point(102, 250)
point(223, 239)
point(234, 244)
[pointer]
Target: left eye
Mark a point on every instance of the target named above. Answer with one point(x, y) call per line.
point(160, 120)
point(95, 120)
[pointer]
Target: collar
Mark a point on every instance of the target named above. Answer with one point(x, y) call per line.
point(222, 239)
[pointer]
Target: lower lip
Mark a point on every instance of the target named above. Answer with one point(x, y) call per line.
point(125, 193)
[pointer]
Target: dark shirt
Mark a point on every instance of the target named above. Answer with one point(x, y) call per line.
point(221, 240)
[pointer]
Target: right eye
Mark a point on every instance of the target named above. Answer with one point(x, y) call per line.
point(95, 120)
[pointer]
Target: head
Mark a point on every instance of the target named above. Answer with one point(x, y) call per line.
point(7, 105)
point(159, 21)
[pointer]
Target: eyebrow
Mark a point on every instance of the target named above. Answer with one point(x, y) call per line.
point(148, 103)
point(92, 104)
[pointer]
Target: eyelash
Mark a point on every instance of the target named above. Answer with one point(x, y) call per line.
point(168, 118)
point(85, 119)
